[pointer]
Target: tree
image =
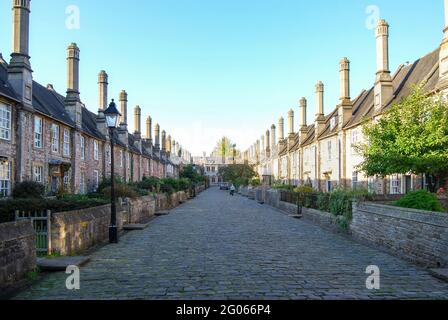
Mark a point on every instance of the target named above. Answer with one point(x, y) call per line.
point(238, 174)
point(190, 172)
point(226, 148)
point(411, 137)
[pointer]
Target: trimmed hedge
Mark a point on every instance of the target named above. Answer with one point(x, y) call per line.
point(422, 200)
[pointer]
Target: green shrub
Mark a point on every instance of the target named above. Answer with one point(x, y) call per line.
point(422, 200)
point(323, 202)
point(303, 189)
point(28, 189)
point(255, 182)
point(184, 184)
point(121, 191)
point(341, 203)
point(169, 185)
point(107, 182)
point(150, 183)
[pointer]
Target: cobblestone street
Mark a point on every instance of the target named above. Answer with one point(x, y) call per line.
point(222, 247)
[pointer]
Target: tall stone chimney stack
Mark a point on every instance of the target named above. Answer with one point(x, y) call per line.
point(137, 122)
point(383, 84)
point(102, 92)
point(168, 144)
point(345, 107)
point(443, 54)
point(19, 69)
point(281, 129)
point(73, 104)
point(268, 144)
point(320, 115)
point(303, 123)
point(123, 99)
point(291, 122)
point(273, 138)
point(73, 72)
point(149, 129)
point(344, 72)
point(163, 141)
point(157, 137)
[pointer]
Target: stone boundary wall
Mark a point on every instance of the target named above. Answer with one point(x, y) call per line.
point(140, 209)
point(417, 236)
point(323, 219)
point(168, 202)
point(76, 231)
point(17, 252)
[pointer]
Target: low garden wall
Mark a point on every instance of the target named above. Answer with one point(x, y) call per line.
point(17, 252)
point(418, 236)
point(140, 209)
point(168, 202)
point(76, 231)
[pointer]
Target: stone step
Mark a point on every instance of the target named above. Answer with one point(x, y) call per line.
point(135, 226)
point(162, 213)
point(60, 263)
point(441, 274)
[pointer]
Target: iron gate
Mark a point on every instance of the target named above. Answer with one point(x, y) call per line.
point(41, 221)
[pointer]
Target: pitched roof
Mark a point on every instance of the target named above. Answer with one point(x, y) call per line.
point(5, 88)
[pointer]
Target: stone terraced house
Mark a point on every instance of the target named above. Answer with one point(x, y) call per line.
point(54, 139)
point(322, 154)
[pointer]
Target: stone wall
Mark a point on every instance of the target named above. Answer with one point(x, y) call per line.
point(17, 252)
point(140, 209)
point(418, 236)
point(76, 231)
point(323, 219)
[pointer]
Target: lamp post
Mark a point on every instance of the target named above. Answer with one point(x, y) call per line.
point(112, 115)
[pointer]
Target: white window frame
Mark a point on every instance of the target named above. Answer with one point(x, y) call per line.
point(5, 122)
point(355, 179)
point(82, 183)
point(67, 179)
point(395, 184)
point(38, 132)
point(38, 174)
point(55, 132)
point(83, 148)
point(329, 147)
point(5, 177)
point(96, 152)
point(66, 143)
point(354, 136)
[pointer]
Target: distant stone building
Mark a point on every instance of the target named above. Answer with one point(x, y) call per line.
point(54, 139)
point(322, 154)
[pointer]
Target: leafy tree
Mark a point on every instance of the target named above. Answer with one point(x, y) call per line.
point(412, 136)
point(190, 172)
point(238, 174)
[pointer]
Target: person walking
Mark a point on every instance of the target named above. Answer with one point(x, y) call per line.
point(232, 190)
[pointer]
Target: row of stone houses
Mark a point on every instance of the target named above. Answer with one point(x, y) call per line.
point(55, 140)
point(322, 154)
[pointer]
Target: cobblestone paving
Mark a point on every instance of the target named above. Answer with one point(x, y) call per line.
point(222, 247)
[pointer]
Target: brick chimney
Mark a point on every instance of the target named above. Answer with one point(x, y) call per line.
point(123, 99)
point(320, 116)
point(73, 104)
point(383, 84)
point(19, 70)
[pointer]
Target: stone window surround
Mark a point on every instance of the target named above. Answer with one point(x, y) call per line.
point(38, 132)
point(55, 137)
point(5, 122)
point(66, 142)
point(38, 175)
point(5, 176)
point(96, 152)
point(82, 142)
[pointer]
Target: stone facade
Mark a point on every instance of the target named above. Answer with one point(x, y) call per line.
point(17, 252)
point(418, 236)
point(54, 139)
point(323, 154)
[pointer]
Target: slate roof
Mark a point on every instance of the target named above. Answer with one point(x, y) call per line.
point(5, 88)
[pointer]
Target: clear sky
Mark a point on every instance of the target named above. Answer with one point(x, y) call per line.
point(207, 68)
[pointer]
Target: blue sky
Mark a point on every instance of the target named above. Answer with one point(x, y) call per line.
point(207, 68)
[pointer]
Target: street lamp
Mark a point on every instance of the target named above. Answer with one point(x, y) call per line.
point(112, 116)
